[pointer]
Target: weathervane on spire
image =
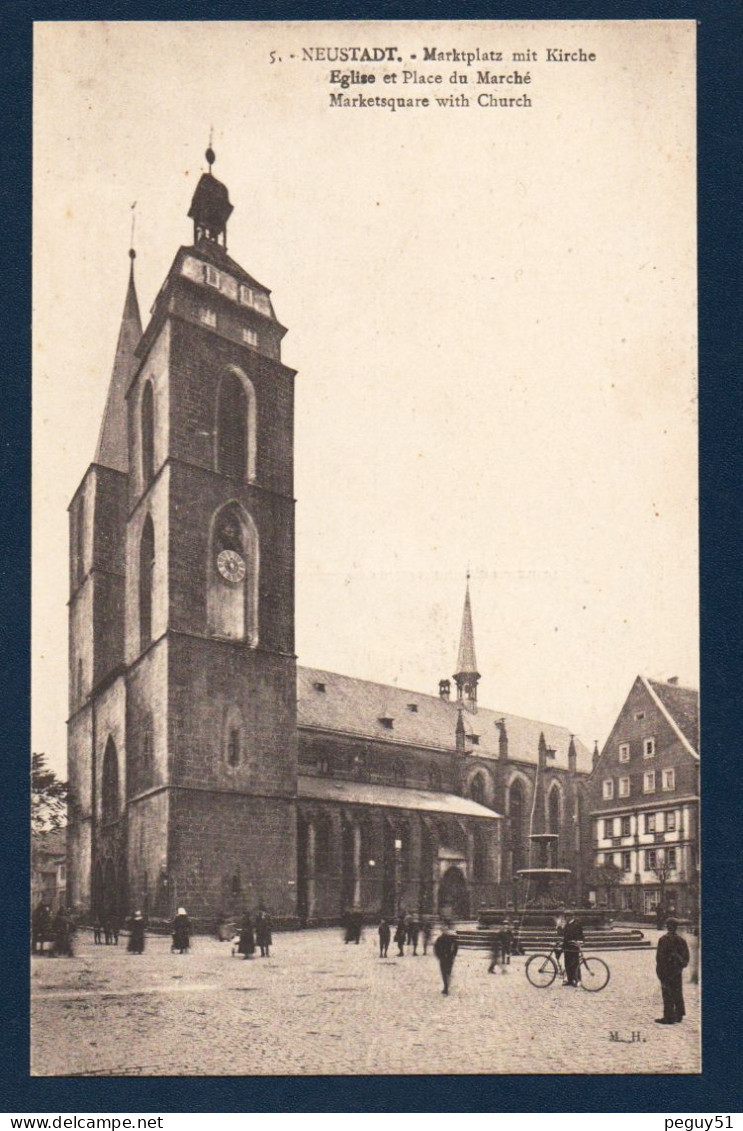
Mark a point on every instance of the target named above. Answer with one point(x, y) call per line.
point(132, 252)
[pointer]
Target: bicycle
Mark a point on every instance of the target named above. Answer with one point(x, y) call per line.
point(542, 969)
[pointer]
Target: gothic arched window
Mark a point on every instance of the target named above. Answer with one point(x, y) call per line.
point(235, 431)
point(482, 856)
point(232, 575)
point(148, 434)
point(110, 784)
point(516, 822)
point(478, 789)
point(146, 576)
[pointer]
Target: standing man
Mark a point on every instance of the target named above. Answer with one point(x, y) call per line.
point(263, 931)
point(41, 925)
point(671, 958)
point(572, 936)
point(384, 937)
point(400, 936)
point(445, 948)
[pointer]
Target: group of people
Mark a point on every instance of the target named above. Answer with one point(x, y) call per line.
point(410, 929)
point(59, 929)
point(106, 928)
point(255, 934)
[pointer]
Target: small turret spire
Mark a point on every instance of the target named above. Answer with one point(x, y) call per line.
point(467, 675)
point(112, 450)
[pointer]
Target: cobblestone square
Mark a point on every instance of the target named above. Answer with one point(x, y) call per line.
point(319, 1007)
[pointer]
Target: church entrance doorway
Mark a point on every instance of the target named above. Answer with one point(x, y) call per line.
point(453, 895)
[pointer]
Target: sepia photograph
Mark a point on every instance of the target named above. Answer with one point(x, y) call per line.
point(365, 598)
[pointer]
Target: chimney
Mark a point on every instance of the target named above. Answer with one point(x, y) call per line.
point(673, 679)
point(444, 689)
point(572, 755)
point(595, 757)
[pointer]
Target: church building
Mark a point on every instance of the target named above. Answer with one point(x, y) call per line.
point(208, 770)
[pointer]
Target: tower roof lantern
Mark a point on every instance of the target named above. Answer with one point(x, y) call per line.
point(210, 206)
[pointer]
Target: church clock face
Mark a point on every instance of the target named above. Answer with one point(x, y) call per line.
point(231, 566)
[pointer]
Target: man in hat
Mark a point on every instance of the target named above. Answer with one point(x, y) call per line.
point(572, 937)
point(384, 937)
point(445, 948)
point(671, 957)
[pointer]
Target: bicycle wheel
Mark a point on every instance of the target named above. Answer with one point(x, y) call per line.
point(594, 974)
point(541, 970)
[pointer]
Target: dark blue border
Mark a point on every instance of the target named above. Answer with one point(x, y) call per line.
point(720, 130)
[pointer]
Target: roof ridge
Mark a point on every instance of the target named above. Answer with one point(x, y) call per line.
point(453, 703)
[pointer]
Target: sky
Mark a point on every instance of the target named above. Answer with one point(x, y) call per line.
point(492, 312)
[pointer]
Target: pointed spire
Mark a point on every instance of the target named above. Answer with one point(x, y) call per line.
point(467, 675)
point(572, 755)
point(112, 449)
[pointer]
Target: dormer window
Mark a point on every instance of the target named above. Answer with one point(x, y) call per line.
point(207, 316)
point(246, 295)
point(413, 708)
point(250, 337)
point(212, 276)
point(319, 686)
point(475, 739)
point(387, 721)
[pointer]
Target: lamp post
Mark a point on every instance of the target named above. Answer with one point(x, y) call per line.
point(398, 854)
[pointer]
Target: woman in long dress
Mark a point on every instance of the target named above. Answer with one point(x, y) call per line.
point(136, 934)
point(181, 931)
point(246, 946)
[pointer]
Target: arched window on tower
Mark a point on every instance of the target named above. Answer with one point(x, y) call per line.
point(233, 740)
point(232, 575)
point(148, 434)
point(146, 576)
point(235, 430)
point(110, 784)
point(478, 788)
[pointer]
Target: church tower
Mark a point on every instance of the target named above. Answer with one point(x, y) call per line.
point(198, 434)
point(467, 676)
point(211, 692)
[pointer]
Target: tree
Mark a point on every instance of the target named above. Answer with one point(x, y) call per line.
point(49, 797)
point(608, 876)
point(662, 873)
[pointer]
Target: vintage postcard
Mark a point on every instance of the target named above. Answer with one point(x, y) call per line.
point(365, 595)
